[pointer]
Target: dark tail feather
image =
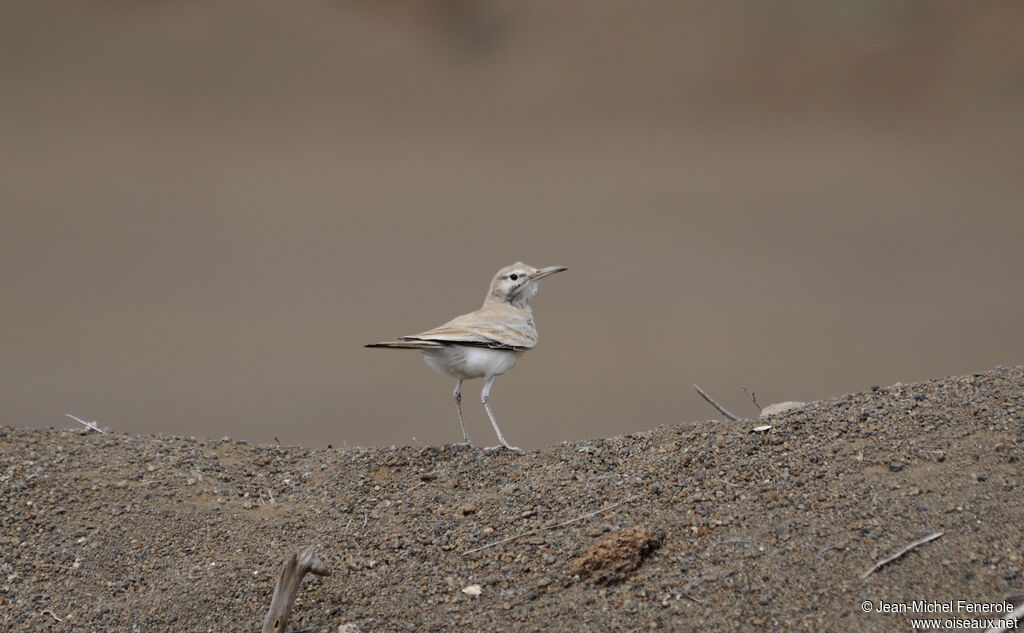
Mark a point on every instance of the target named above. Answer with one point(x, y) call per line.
point(406, 345)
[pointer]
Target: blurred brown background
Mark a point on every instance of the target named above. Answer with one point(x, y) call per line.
point(208, 208)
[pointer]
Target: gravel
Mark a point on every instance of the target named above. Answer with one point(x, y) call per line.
point(756, 531)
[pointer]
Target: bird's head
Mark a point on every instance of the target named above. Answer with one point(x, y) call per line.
point(516, 284)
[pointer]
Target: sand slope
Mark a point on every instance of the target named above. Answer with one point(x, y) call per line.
point(764, 530)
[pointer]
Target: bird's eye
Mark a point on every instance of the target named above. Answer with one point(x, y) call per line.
point(513, 276)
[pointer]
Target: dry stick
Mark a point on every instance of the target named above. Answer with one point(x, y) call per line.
point(89, 425)
point(753, 397)
point(690, 598)
point(886, 561)
point(712, 402)
point(550, 527)
point(1013, 616)
point(51, 614)
point(287, 585)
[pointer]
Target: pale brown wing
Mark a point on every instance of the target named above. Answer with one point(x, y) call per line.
point(496, 327)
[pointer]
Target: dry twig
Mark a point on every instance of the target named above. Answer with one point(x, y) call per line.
point(89, 425)
point(886, 561)
point(548, 527)
point(689, 597)
point(753, 397)
point(711, 401)
point(288, 583)
point(51, 614)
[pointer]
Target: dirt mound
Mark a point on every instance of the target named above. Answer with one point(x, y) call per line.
point(616, 556)
point(768, 530)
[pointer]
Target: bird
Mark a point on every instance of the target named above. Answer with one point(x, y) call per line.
point(484, 343)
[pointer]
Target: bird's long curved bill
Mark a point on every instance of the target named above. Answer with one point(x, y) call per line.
point(546, 272)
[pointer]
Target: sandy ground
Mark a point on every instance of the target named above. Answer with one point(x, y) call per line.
point(749, 530)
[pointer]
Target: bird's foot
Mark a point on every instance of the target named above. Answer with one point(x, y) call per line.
point(514, 449)
point(461, 444)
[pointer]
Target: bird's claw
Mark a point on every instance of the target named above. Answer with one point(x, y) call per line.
point(514, 449)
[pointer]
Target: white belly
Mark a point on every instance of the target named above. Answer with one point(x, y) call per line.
point(466, 361)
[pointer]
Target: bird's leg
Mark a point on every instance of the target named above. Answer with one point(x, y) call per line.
point(485, 395)
point(457, 395)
